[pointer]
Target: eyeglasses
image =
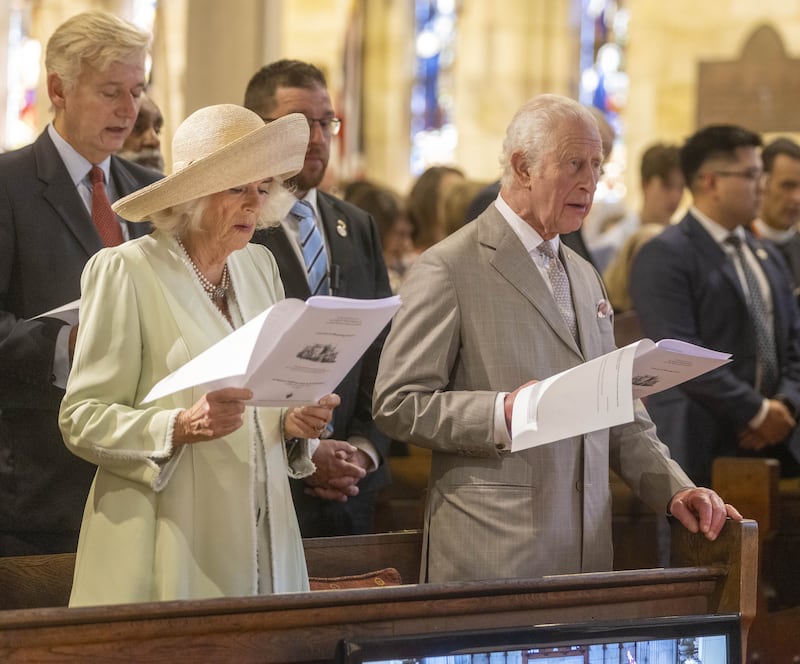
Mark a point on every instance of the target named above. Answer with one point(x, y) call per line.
point(329, 126)
point(749, 174)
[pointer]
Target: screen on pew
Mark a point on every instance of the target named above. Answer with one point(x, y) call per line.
point(706, 639)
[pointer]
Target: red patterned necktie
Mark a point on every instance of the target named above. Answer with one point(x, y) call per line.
point(103, 216)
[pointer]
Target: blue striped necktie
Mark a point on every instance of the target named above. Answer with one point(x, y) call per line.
point(312, 248)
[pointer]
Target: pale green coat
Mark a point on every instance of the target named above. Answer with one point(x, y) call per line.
point(185, 528)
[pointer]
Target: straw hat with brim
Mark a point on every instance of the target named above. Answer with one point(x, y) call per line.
point(217, 148)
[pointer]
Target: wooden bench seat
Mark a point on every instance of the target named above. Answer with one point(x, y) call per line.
point(754, 486)
point(709, 577)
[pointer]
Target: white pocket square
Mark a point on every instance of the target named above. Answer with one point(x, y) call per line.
point(604, 309)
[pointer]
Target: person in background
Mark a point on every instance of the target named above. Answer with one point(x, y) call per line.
point(662, 190)
point(387, 209)
point(347, 261)
point(425, 203)
point(780, 203)
point(707, 280)
point(143, 145)
point(456, 201)
point(497, 305)
point(191, 498)
point(53, 217)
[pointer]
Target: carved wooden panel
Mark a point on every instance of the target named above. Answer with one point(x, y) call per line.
point(759, 91)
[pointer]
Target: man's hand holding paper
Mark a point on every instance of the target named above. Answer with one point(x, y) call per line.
point(599, 394)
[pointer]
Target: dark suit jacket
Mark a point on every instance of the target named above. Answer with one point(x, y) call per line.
point(46, 237)
point(355, 252)
point(791, 252)
point(684, 286)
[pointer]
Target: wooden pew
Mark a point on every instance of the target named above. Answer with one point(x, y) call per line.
point(755, 488)
point(29, 582)
point(627, 328)
point(716, 577)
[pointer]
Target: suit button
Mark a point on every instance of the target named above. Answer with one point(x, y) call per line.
point(579, 486)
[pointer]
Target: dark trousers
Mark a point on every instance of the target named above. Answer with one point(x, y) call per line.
point(329, 518)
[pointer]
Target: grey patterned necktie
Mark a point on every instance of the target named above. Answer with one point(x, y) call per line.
point(759, 315)
point(560, 284)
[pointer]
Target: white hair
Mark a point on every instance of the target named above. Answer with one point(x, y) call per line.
point(532, 130)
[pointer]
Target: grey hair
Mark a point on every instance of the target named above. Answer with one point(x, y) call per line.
point(96, 38)
point(531, 131)
point(182, 219)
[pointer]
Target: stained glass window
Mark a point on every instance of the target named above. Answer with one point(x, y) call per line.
point(604, 81)
point(433, 133)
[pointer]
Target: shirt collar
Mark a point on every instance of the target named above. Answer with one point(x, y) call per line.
point(77, 165)
point(311, 199)
point(528, 236)
point(773, 234)
point(718, 232)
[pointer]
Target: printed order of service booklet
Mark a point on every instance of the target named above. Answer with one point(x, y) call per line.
point(291, 354)
point(599, 393)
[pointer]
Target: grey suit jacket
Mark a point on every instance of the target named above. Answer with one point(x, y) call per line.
point(478, 318)
point(46, 237)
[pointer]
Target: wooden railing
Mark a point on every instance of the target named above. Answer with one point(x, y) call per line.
point(716, 577)
point(755, 487)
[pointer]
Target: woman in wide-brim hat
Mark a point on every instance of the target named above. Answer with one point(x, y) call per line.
point(191, 497)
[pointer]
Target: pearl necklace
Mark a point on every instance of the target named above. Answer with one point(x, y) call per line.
point(216, 293)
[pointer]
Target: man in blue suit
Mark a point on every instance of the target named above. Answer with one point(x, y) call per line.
point(95, 77)
point(709, 281)
point(354, 457)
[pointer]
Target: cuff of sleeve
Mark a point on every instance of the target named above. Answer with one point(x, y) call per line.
point(166, 459)
point(786, 401)
point(760, 416)
point(61, 358)
point(502, 437)
point(367, 448)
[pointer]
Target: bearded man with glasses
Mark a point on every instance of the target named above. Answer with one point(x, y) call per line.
point(327, 246)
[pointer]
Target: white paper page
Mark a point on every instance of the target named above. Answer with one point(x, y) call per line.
point(592, 396)
point(685, 348)
point(222, 365)
point(328, 333)
point(67, 312)
point(329, 337)
point(669, 363)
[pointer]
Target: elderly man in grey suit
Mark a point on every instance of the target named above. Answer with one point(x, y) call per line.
point(52, 219)
point(484, 312)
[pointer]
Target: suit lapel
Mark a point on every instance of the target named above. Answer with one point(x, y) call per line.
point(585, 310)
point(337, 236)
point(775, 275)
point(125, 183)
point(63, 197)
point(515, 265)
point(712, 255)
point(293, 274)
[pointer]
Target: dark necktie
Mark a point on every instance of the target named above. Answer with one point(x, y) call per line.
point(560, 283)
point(759, 315)
point(312, 248)
point(103, 216)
